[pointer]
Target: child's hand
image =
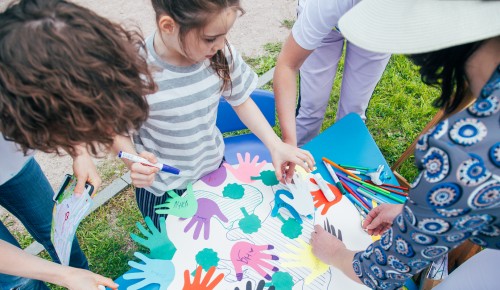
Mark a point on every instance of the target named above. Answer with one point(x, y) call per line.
point(143, 175)
point(286, 156)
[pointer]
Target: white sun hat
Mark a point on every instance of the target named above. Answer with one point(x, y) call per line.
point(417, 26)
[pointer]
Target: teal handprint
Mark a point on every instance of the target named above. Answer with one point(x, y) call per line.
point(158, 243)
point(250, 223)
point(184, 207)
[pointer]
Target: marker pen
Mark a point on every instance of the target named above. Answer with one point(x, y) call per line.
point(161, 166)
point(335, 178)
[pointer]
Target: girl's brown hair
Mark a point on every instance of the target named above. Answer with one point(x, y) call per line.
point(196, 14)
point(68, 77)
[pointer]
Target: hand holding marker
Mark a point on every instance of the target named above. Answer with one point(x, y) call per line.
point(161, 166)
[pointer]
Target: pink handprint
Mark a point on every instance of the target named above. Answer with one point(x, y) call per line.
point(206, 210)
point(246, 169)
point(247, 254)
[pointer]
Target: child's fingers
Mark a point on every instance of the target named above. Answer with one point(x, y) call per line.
point(141, 175)
point(80, 185)
point(308, 158)
point(278, 170)
point(143, 169)
point(149, 156)
point(289, 172)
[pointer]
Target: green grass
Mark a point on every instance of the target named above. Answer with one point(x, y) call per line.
point(399, 93)
point(288, 23)
point(399, 109)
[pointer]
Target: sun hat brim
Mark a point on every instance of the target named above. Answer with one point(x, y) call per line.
point(417, 26)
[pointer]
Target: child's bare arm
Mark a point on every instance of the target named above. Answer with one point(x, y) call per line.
point(284, 156)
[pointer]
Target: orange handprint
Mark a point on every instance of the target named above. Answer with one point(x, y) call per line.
point(320, 199)
point(201, 285)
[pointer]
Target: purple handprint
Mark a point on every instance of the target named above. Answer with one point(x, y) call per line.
point(246, 169)
point(216, 177)
point(206, 210)
point(247, 254)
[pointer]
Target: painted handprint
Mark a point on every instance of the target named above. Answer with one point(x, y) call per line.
point(157, 241)
point(206, 210)
point(331, 229)
point(304, 257)
point(216, 177)
point(151, 271)
point(319, 198)
point(181, 206)
point(279, 203)
point(301, 200)
point(260, 286)
point(246, 169)
point(247, 254)
point(201, 285)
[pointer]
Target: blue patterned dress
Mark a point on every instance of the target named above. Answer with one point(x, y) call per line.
point(455, 197)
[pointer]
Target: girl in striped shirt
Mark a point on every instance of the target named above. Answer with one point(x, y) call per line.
point(193, 65)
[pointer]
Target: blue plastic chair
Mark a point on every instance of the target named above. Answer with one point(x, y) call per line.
point(228, 121)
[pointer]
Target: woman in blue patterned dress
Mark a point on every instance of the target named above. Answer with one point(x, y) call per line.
point(456, 196)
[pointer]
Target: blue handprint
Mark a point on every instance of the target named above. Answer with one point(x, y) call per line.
point(279, 203)
point(152, 271)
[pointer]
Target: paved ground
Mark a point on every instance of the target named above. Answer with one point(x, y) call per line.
point(261, 24)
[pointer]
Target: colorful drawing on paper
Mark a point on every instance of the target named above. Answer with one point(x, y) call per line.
point(69, 210)
point(250, 230)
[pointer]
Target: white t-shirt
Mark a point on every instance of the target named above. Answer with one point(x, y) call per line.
point(12, 160)
point(317, 19)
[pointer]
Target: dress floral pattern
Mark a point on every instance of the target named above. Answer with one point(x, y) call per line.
point(455, 197)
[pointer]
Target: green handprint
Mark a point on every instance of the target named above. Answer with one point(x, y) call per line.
point(268, 177)
point(250, 223)
point(158, 243)
point(304, 257)
point(182, 206)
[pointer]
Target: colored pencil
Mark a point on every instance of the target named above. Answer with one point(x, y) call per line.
point(391, 186)
point(382, 191)
point(365, 193)
point(356, 196)
point(355, 202)
point(404, 194)
point(353, 166)
point(340, 168)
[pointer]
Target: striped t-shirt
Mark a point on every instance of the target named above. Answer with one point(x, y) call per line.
point(180, 130)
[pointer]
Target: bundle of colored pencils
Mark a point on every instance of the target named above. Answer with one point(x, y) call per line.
point(363, 193)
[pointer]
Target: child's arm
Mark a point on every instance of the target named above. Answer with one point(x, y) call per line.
point(141, 175)
point(14, 261)
point(84, 169)
point(290, 59)
point(283, 155)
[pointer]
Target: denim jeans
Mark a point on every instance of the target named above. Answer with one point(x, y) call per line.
point(28, 196)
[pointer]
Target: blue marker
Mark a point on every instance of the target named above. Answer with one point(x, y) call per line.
point(161, 166)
